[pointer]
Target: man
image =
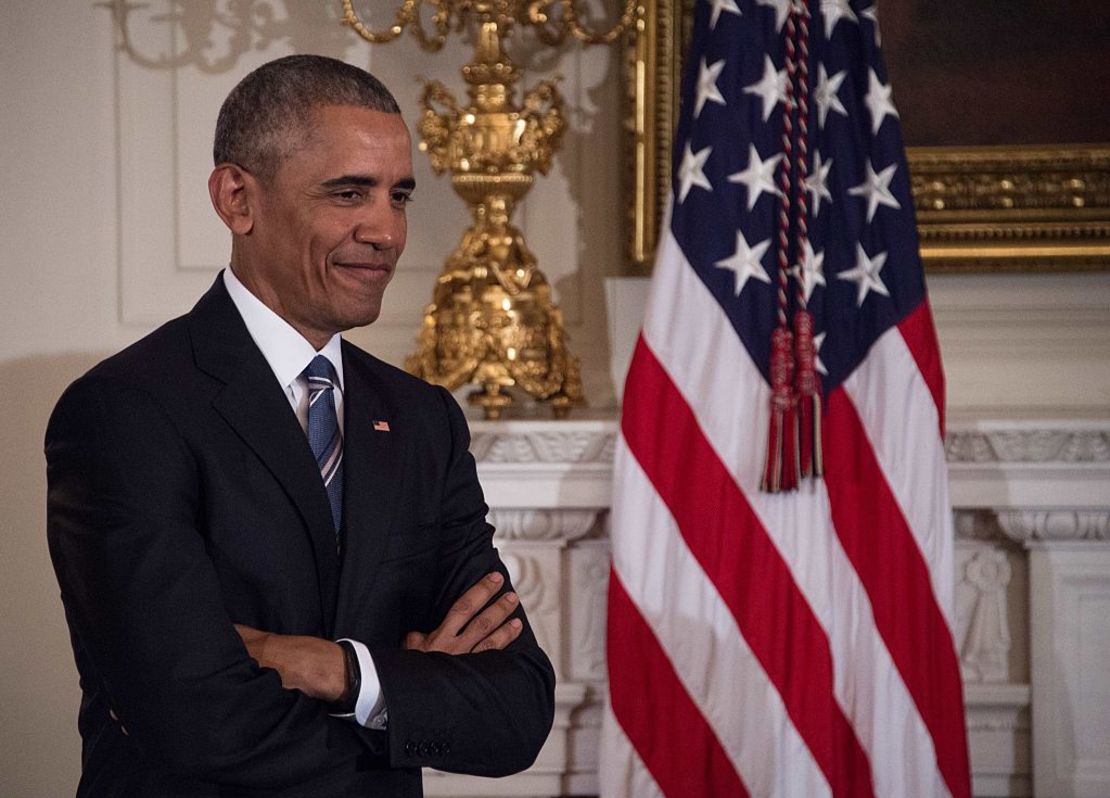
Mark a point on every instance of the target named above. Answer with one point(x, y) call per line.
point(241, 489)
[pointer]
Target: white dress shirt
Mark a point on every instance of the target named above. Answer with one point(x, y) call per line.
point(289, 353)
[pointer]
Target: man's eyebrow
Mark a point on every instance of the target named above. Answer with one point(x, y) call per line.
point(407, 183)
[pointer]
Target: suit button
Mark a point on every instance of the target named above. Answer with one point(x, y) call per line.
point(425, 748)
point(446, 748)
point(410, 748)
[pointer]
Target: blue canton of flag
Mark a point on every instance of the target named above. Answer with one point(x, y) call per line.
point(861, 270)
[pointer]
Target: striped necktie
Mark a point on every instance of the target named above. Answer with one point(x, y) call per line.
point(324, 436)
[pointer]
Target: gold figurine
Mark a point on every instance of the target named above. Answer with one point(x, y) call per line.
point(491, 320)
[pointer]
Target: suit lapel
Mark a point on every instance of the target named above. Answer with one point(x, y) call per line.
point(254, 406)
point(371, 472)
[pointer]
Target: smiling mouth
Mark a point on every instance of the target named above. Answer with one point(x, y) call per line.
point(364, 265)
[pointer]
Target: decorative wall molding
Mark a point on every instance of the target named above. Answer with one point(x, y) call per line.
point(593, 441)
point(985, 650)
point(977, 525)
point(1043, 445)
point(1024, 526)
point(536, 524)
point(525, 444)
point(589, 581)
point(1030, 465)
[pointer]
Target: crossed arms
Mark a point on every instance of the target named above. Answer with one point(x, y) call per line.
point(160, 655)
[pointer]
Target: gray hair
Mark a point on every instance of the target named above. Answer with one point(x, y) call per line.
point(261, 117)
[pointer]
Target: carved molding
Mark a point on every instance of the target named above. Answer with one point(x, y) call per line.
point(537, 577)
point(546, 446)
point(1024, 526)
point(589, 582)
point(977, 525)
point(1028, 446)
point(985, 649)
point(542, 524)
point(545, 442)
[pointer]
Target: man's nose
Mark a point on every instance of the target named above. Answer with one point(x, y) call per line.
point(379, 227)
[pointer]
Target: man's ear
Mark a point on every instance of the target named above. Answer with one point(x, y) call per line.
point(231, 187)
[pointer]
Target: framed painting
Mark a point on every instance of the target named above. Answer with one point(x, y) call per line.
point(1003, 111)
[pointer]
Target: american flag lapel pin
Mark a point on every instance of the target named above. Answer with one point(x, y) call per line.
point(381, 426)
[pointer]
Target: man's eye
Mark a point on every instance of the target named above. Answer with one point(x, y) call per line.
point(349, 195)
point(402, 197)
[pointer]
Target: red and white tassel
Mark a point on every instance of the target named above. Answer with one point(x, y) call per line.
point(808, 392)
point(780, 470)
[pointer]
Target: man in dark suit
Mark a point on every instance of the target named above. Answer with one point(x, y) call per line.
point(271, 546)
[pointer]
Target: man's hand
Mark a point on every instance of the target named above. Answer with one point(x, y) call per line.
point(318, 668)
point(312, 665)
point(484, 630)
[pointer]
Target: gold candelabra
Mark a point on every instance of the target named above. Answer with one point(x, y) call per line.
point(492, 321)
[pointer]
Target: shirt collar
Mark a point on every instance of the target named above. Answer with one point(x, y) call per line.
point(285, 349)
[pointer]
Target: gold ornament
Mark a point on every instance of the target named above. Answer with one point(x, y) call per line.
point(491, 320)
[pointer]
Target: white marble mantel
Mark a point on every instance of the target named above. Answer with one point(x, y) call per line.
point(1032, 507)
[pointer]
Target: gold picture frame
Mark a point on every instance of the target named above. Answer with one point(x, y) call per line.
point(1001, 208)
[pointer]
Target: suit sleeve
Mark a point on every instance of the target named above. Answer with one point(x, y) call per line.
point(485, 714)
point(145, 606)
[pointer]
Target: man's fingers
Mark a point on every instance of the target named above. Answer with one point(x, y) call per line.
point(470, 603)
point(468, 627)
point(489, 621)
point(501, 637)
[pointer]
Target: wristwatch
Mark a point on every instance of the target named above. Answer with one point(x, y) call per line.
point(346, 705)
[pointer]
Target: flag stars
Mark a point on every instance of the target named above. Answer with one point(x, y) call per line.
point(827, 94)
point(817, 183)
point(719, 7)
point(875, 188)
point(707, 90)
point(759, 176)
point(771, 88)
point(691, 172)
point(872, 14)
point(745, 262)
point(865, 275)
point(810, 272)
point(835, 10)
point(818, 340)
point(878, 101)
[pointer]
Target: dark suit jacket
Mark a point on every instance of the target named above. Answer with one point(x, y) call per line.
point(183, 498)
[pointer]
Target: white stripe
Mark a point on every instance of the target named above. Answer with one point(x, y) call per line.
point(700, 636)
point(899, 416)
point(622, 773)
point(331, 465)
point(716, 375)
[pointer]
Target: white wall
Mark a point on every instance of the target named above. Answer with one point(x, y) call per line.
point(77, 283)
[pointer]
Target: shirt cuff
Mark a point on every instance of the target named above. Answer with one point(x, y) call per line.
point(370, 706)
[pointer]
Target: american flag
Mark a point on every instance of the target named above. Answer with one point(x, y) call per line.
point(793, 643)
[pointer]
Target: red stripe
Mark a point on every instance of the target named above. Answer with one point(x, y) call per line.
point(889, 563)
point(921, 338)
point(660, 719)
point(728, 541)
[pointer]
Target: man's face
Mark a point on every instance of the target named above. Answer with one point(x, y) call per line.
point(329, 227)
